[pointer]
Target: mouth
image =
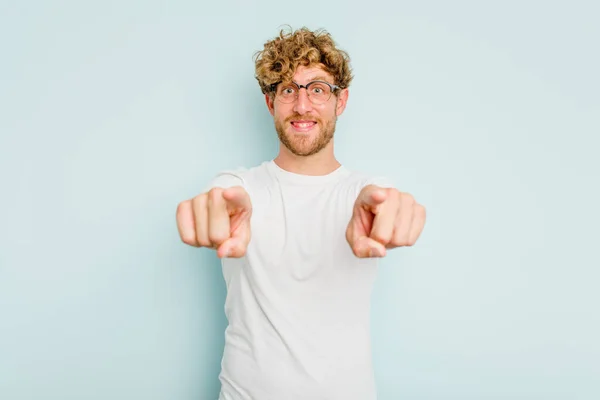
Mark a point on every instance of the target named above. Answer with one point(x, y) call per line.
point(303, 125)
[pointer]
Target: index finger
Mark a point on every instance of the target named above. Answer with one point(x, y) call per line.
point(237, 198)
point(371, 196)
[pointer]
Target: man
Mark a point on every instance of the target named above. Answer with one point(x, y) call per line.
point(299, 238)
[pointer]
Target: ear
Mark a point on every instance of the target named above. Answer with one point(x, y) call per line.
point(342, 100)
point(270, 103)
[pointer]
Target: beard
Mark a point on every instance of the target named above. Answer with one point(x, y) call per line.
point(305, 145)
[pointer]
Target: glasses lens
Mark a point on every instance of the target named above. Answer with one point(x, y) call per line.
point(287, 93)
point(319, 92)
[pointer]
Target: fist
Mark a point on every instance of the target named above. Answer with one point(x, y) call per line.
point(218, 219)
point(384, 218)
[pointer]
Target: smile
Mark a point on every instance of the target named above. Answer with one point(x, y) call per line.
point(303, 126)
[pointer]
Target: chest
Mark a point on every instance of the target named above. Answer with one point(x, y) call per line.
point(307, 215)
point(301, 226)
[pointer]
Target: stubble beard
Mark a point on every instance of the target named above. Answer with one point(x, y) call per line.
point(301, 145)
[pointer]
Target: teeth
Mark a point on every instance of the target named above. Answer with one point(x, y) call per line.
point(303, 125)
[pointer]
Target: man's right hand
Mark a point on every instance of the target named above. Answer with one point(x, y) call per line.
point(219, 219)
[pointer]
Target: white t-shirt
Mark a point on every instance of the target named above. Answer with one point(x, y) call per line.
point(298, 302)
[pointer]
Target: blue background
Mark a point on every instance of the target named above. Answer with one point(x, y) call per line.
point(111, 113)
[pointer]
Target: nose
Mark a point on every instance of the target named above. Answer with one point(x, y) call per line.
point(303, 103)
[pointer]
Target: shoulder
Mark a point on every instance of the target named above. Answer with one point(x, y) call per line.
point(350, 186)
point(240, 176)
point(358, 180)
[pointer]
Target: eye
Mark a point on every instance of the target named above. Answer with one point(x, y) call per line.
point(319, 89)
point(288, 90)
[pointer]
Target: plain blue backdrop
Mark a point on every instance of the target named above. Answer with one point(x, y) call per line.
point(113, 112)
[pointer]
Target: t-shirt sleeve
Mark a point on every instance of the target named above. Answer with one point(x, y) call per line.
point(227, 179)
point(380, 181)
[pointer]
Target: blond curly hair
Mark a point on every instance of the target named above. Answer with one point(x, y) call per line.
point(278, 61)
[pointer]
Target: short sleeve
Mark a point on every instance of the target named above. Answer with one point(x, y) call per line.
point(227, 179)
point(380, 181)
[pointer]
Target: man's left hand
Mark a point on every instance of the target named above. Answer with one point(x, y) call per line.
point(383, 218)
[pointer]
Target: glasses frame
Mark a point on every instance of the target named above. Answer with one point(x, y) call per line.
point(333, 88)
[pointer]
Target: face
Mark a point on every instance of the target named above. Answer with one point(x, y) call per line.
point(305, 128)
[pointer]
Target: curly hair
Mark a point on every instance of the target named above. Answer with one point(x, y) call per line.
point(281, 56)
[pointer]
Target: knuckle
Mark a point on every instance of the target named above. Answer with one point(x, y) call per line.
point(203, 242)
point(215, 193)
point(239, 251)
point(349, 234)
point(181, 206)
point(380, 237)
point(401, 240)
point(188, 239)
point(182, 209)
point(216, 238)
point(407, 198)
point(199, 201)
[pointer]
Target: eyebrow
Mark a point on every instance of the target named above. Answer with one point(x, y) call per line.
point(319, 78)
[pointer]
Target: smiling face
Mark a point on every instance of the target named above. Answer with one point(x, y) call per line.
point(305, 128)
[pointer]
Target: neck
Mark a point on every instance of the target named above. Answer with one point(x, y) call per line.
point(321, 163)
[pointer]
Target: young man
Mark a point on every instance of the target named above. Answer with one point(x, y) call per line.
point(299, 238)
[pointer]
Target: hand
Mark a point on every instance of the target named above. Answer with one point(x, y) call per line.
point(219, 219)
point(383, 218)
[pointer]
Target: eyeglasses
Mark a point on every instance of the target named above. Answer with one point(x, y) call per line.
point(318, 92)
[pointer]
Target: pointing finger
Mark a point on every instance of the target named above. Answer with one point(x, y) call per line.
point(371, 196)
point(236, 246)
point(237, 198)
